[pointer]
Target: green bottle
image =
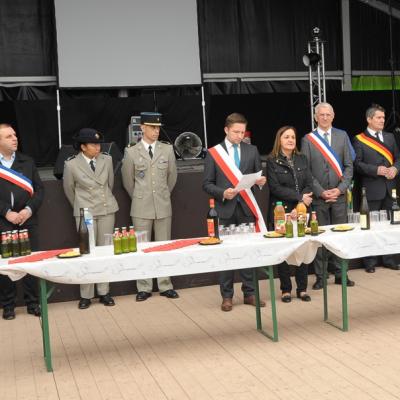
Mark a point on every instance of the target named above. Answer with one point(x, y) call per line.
point(314, 224)
point(289, 227)
point(124, 240)
point(301, 227)
point(117, 242)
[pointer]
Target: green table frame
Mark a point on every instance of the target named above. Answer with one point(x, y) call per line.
point(45, 294)
point(345, 310)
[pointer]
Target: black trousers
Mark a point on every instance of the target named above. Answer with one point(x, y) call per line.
point(327, 214)
point(301, 277)
point(8, 288)
point(226, 278)
point(388, 260)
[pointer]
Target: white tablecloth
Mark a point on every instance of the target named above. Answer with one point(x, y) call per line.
point(236, 252)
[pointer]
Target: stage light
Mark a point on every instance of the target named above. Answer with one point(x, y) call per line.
point(311, 59)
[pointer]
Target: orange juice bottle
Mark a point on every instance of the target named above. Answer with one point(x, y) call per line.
point(279, 217)
point(301, 209)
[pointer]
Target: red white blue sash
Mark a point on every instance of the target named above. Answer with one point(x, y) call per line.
point(16, 178)
point(233, 174)
point(327, 152)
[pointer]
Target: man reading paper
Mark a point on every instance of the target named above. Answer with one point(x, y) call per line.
point(224, 166)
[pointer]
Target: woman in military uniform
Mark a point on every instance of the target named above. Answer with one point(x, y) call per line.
point(88, 183)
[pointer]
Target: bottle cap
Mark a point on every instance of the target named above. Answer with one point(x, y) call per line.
point(278, 203)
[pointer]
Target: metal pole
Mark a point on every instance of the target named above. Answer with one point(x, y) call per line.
point(310, 81)
point(323, 72)
point(59, 118)
point(203, 105)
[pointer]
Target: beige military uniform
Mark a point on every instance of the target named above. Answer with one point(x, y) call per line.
point(85, 188)
point(149, 182)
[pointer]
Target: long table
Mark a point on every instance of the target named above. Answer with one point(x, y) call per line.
point(236, 252)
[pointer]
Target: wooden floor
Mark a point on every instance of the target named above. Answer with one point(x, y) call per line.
point(189, 349)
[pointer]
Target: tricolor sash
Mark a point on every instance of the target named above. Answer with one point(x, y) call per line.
point(376, 145)
point(327, 152)
point(16, 178)
point(233, 174)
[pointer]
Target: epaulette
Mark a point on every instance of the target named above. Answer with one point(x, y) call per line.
point(165, 142)
point(71, 158)
point(105, 153)
point(131, 145)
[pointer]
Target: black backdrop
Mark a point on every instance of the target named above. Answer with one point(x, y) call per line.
point(36, 121)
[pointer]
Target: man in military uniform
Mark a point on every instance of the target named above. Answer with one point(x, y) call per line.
point(149, 175)
point(21, 195)
point(88, 183)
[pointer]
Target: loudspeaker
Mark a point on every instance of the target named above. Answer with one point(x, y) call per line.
point(67, 151)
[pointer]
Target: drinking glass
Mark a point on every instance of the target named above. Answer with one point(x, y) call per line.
point(141, 236)
point(374, 216)
point(356, 218)
point(108, 239)
point(383, 217)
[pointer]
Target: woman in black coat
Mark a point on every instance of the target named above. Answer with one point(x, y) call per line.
point(290, 181)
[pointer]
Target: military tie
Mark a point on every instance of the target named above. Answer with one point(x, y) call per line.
point(92, 165)
point(150, 152)
point(236, 155)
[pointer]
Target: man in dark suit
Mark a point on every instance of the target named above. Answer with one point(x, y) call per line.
point(21, 194)
point(230, 206)
point(378, 163)
point(332, 172)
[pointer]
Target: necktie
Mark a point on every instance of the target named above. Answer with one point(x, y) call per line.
point(236, 155)
point(326, 137)
point(379, 136)
point(92, 165)
point(150, 152)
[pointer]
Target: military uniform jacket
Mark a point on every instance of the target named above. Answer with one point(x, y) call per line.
point(149, 182)
point(367, 162)
point(85, 188)
point(21, 198)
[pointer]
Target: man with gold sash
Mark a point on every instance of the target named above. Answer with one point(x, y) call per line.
point(21, 195)
point(378, 163)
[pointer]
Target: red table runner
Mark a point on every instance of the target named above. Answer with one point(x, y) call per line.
point(177, 244)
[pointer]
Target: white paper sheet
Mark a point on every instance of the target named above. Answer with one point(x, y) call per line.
point(248, 181)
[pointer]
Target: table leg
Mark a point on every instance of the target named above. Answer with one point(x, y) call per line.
point(45, 325)
point(274, 336)
point(324, 285)
point(345, 313)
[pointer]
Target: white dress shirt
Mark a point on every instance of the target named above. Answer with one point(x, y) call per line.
point(329, 132)
point(146, 146)
point(7, 163)
point(229, 147)
point(375, 134)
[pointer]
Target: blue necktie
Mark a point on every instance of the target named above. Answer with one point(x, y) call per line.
point(236, 155)
point(326, 137)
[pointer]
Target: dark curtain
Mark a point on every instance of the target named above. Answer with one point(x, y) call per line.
point(27, 38)
point(36, 121)
point(370, 39)
point(265, 35)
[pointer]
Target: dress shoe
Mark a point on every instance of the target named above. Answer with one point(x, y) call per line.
point(303, 296)
point(338, 281)
point(142, 296)
point(226, 304)
point(370, 270)
point(8, 313)
point(34, 309)
point(251, 300)
point(107, 300)
point(394, 267)
point(318, 285)
point(84, 303)
point(171, 294)
point(286, 298)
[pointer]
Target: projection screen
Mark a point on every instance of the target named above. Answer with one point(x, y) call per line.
point(127, 43)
